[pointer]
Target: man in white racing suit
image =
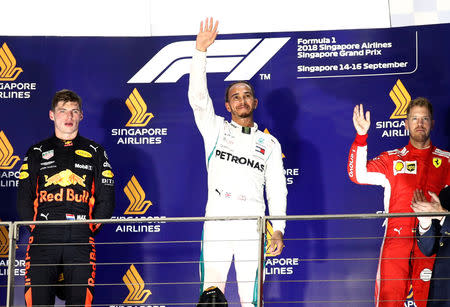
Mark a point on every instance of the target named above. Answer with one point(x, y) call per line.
point(241, 160)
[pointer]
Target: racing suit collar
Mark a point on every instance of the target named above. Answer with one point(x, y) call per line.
point(418, 151)
point(241, 128)
point(65, 143)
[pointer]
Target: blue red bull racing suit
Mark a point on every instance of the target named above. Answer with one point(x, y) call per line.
point(63, 180)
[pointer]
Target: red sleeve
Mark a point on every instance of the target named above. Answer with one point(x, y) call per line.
point(362, 171)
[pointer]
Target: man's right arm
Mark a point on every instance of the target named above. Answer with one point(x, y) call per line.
point(27, 190)
point(359, 170)
point(199, 98)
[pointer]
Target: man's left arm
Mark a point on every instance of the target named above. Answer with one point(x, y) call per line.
point(104, 194)
point(276, 194)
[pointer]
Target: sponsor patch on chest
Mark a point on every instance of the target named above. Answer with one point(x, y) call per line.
point(48, 154)
point(404, 167)
point(222, 155)
point(437, 162)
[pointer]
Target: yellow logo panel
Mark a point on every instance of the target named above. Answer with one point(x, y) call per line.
point(23, 175)
point(135, 284)
point(401, 99)
point(411, 167)
point(8, 69)
point(64, 179)
point(83, 153)
point(4, 242)
point(437, 162)
point(7, 160)
point(108, 174)
point(399, 166)
point(136, 195)
point(138, 109)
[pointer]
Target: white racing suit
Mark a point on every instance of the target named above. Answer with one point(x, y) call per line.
point(239, 165)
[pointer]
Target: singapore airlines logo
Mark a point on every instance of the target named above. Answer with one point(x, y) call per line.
point(138, 109)
point(136, 195)
point(4, 242)
point(401, 98)
point(8, 69)
point(135, 285)
point(242, 57)
point(7, 160)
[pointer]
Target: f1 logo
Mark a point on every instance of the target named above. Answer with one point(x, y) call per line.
point(242, 57)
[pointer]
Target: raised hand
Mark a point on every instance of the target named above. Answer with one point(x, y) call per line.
point(360, 122)
point(207, 34)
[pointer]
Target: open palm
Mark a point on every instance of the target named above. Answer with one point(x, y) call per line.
point(361, 122)
point(207, 34)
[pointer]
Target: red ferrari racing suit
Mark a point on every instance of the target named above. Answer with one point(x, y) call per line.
point(400, 172)
point(63, 180)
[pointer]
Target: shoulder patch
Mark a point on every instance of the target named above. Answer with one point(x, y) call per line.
point(442, 153)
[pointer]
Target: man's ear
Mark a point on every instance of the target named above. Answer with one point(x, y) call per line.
point(51, 115)
point(227, 106)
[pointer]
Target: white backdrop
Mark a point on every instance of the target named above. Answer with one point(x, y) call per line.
point(179, 17)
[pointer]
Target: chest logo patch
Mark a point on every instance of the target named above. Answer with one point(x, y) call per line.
point(398, 166)
point(107, 174)
point(410, 167)
point(23, 175)
point(64, 179)
point(48, 154)
point(405, 167)
point(83, 153)
point(437, 162)
point(260, 149)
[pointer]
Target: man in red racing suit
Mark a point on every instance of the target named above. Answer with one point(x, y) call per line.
point(66, 177)
point(418, 165)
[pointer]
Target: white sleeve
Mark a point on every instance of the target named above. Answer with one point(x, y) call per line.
point(205, 119)
point(276, 191)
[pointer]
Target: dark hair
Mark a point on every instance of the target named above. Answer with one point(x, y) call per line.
point(233, 83)
point(66, 96)
point(420, 102)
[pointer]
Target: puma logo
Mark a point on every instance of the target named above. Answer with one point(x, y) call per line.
point(95, 148)
point(398, 230)
point(38, 148)
point(45, 216)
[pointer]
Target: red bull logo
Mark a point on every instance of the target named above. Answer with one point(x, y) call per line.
point(64, 195)
point(64, 179)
